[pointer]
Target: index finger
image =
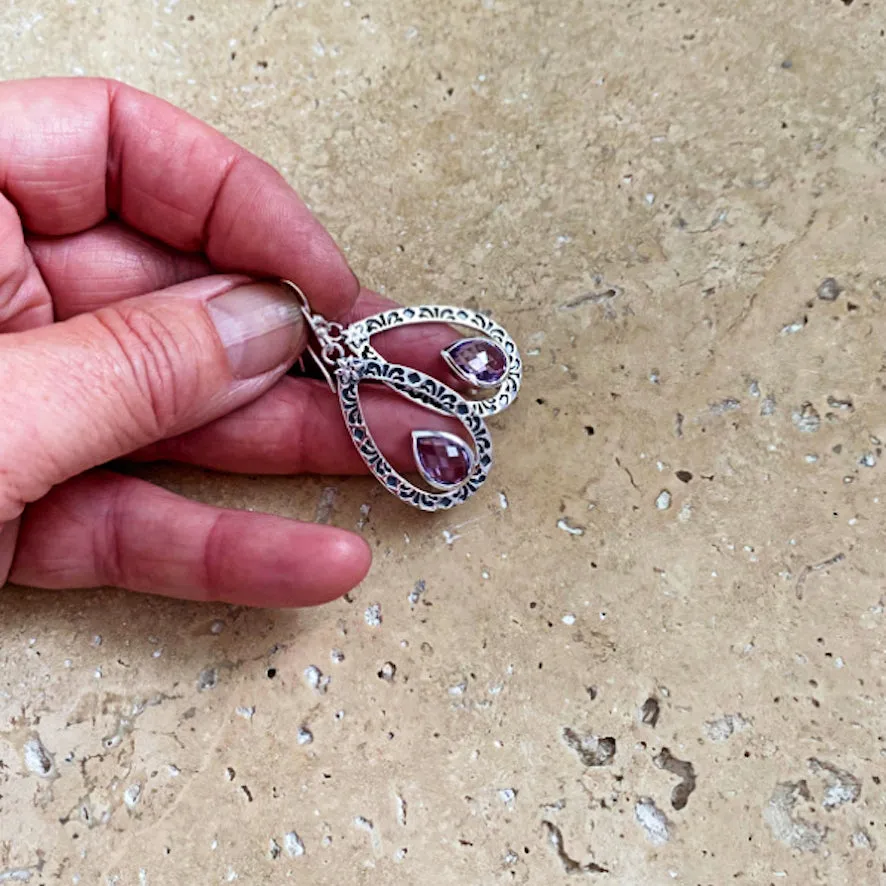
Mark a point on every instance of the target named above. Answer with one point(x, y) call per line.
point(74, 150)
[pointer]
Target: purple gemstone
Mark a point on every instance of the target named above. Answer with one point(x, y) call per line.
point(444, 460)
point(477, 360)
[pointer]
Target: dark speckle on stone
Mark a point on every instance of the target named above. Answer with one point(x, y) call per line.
point(650, 712)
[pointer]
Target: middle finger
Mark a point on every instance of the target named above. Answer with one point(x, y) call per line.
point(111, 261)
point(108, 263)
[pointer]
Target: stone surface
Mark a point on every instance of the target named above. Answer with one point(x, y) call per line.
point(480, 361)
point(649, 196)
point(443, 460)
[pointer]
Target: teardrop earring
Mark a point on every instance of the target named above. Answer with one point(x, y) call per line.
point(453, 469)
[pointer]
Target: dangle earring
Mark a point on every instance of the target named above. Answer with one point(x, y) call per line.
point(488, 363)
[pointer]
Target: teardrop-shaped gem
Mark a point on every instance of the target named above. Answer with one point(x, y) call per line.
point(479, 361)
point(444, 460)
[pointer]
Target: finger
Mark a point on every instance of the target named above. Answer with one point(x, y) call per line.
point(8, 535)
point(106, 264)
point(24, 298)
point(110, 262)
point(102, 529)
point(71, 150)
point(297, 428)
point(90, 389)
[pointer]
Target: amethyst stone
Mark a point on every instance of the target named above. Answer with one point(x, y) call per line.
point(444, 460)
point(479, 361)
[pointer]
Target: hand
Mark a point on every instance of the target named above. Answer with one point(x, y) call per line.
point(134, 322)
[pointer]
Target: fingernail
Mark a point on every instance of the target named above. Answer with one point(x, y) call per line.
point(260, 325)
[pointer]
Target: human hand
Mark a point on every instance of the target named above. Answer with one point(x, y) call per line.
point(133, 239)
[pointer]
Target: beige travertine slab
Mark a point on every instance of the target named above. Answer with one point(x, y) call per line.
point(648, 195)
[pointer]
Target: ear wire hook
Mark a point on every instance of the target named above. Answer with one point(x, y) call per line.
point(328, 336)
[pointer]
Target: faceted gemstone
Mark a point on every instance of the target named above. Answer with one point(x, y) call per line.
point(477, 360)
point(444, 460)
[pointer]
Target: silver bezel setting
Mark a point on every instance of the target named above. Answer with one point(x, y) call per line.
point(455, 440)
point(432, 394)
point(358, 334)
point(470, 377)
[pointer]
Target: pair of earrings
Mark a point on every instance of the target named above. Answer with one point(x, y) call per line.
point(489, 363)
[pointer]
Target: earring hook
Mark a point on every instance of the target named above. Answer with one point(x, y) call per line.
point(326, 333)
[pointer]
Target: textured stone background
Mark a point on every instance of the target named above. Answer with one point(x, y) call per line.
point(648, 195)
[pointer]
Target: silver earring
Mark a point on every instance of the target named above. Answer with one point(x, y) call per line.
point(488, 363)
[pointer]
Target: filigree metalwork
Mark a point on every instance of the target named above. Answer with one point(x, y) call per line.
point(348, 359)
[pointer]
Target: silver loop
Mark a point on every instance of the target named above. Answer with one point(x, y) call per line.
point(334, 331)
point(333, 351)
point(330, 335)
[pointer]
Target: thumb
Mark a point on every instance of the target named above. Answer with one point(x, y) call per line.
point(95, 387)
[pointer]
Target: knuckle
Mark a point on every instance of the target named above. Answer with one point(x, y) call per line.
point(155, 365)
point(12, 501)
point(108, 554)
point(215, 565)
point(23, 473)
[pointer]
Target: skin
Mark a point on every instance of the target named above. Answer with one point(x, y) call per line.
point(116, 206)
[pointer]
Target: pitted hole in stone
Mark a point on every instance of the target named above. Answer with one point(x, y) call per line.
point(684, 770)
point(829, 289)
point(653, 821)
point(591, 750)
point(37, 759)
point(841, 786)
point(784, 822)
point(293, 845)
point(207, 679)
point(650, 711)
point(570, 865)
